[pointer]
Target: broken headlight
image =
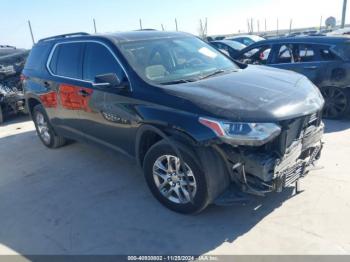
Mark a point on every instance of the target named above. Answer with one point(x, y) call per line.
point(241, 133)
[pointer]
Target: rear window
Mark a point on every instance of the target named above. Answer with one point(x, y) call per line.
point(66, 60)
point(37, 57)
point(342, 51)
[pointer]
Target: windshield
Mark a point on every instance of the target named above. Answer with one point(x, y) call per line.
point(168, 60)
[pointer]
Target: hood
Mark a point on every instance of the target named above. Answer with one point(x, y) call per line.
point(256, 93)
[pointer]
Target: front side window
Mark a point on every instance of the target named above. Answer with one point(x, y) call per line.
point(66, 60)
point(167, 60)
point(99, 60)
point(257, 56)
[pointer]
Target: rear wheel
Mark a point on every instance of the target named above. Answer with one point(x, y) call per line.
point(167, 180)
point(44, 129)
point(337, 102)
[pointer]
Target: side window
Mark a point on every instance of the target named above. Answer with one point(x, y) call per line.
point(66, 60)
point(99, 60)
point(326, 53)
point(285, 54)
point(305, 53)
point(257, 56)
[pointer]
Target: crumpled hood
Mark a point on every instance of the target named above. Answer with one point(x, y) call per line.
point(256, 93)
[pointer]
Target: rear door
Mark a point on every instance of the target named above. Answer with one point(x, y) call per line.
point(301, 58)
point(65, 65)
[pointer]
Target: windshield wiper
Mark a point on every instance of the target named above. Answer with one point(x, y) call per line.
point(178, 81)
point(214, 73)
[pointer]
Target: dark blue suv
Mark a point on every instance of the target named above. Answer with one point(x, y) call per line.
point(194, 120)
point(324, 60)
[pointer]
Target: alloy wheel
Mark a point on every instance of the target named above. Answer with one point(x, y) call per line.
point(335, 102)
point(43, 128)
point(171, 181)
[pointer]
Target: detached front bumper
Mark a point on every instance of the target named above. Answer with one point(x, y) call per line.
point(259, 171)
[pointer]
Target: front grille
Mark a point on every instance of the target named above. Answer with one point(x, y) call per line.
point(292, 174)
point(292, 130)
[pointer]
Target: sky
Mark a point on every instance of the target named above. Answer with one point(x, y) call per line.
point(52, 17)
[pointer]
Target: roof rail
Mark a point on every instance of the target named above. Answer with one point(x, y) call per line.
point(63, 36)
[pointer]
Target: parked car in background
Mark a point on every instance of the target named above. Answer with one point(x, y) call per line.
point(195, 121)
point(230, 48)
point(11, 94)
point(245, 39)
point(324, 60)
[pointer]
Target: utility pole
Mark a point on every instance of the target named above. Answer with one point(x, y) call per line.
point(277, 28)
point(321, 23)
point(176, 25)
point(248, 26)
point(251, 25)
point(162, 27)
point(290, 26)
point(258, 26)
point(343, 14)
point(265, 26)
point(95, 26)
point(140, 24)
point(31, 32)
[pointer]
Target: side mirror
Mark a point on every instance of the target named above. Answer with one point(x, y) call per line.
point(107, 80)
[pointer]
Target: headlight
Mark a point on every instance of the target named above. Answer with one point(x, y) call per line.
point(240, 133)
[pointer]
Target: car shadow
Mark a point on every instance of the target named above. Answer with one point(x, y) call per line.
point(332, 126)
point(82, 200)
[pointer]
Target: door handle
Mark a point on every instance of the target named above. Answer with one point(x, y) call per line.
point(310, 67)
point(83, 93)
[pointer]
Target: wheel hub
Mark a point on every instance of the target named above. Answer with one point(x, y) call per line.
point(168, 177)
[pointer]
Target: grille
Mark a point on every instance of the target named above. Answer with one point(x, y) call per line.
point(292, 130)
point(292, 174)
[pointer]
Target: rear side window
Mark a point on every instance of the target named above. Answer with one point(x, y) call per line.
point(99, 60)
point(37, 57)
point(305, 53)
point(326, 53)
point(66, 60)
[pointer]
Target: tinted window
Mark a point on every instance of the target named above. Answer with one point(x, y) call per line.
point(68, 58)
point(326, 54)
point(37, 57)
point(99, 60)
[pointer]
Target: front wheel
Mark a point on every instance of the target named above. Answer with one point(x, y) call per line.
point(337, 102)
point(167, 180)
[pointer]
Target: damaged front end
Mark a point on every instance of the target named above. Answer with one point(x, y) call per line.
point(11, 93)
point(273, 156)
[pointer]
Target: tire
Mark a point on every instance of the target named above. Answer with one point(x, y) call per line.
point(337, 102)
point(1, 116)
point(44, 129)
point(157, 156)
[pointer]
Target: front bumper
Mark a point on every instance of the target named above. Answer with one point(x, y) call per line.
point(262, 171)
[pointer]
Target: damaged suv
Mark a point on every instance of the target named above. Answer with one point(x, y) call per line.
point(195, 121)
point(11, 65)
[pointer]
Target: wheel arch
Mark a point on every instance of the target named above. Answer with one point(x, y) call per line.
point(147, 135)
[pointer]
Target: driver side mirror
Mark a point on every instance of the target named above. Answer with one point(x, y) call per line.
point(107, 80)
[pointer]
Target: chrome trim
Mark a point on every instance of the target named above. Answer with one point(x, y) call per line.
point(82, 80)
